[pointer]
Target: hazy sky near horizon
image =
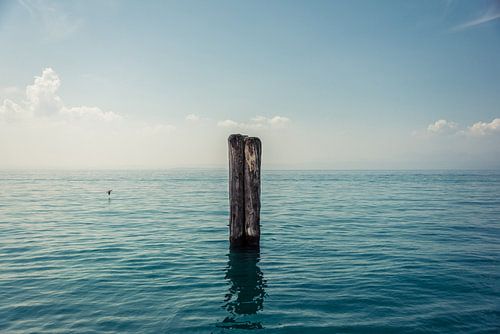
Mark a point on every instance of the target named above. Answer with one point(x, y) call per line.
point(325, 84)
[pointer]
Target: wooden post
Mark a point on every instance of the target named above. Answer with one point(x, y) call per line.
point(236, 190)
point(253, 150)
point(244, 191)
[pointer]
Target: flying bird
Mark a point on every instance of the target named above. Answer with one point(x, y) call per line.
point(109, 192)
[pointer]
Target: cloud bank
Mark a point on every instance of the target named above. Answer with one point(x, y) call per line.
point(483, 128)
point(39, 130)
point(51, 133)
point(258, 122)
point(42, 100)
point(480, 128)
point(441, 126)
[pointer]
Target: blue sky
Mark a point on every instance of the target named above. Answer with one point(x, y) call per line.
point(333, 84)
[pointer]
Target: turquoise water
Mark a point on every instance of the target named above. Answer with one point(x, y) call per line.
point(342, 252)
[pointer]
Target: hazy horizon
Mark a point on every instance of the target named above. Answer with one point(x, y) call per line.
point(265, 168)
point(326, 85)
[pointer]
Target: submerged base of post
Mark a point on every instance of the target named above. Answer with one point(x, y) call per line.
point(244, 191)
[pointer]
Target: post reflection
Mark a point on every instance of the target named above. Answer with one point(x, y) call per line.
point(246, 293)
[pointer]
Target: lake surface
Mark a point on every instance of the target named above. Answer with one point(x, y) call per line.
point(341, 252)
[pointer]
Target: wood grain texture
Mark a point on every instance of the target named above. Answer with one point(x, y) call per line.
point(253, 151)
point(236, 144)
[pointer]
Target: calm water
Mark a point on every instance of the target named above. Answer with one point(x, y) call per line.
point(342, 252)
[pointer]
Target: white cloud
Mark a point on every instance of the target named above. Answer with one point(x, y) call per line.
point(278, 121)
point(53, 134)
point(259, 119)
point(42, 100)
point(257, 122)
point(227, 124)
point(442, 126)
point(192, 118)
point(11, 111)
point(483, 128)
point(41, 96)
point(493, 13)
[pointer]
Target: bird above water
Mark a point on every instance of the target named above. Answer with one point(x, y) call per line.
point(109, 192)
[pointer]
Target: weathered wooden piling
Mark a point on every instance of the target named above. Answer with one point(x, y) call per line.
point(236, 189)
point(244, 191)
point(253, 149)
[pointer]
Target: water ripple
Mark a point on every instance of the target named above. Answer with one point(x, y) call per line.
point(342, 251)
